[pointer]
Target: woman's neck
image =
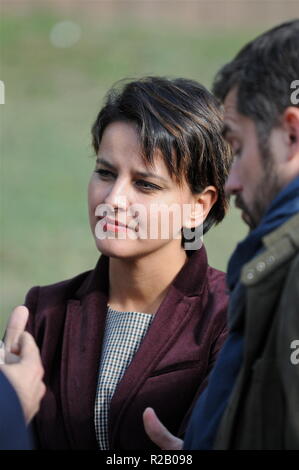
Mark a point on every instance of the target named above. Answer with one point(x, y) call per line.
point(141, 284)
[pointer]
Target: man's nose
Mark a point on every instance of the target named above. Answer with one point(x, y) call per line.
point(233, 184)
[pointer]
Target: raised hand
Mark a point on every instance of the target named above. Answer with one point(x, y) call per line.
point(26, 375)
point(158, 433)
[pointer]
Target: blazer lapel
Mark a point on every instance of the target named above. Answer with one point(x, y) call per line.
point(171, 317)
point(83, 336)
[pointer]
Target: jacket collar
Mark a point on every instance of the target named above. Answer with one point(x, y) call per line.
point(96, 280)
point(189, 281)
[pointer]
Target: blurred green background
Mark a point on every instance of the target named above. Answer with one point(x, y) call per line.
point(52, 95)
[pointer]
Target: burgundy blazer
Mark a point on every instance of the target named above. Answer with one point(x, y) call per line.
point(168, 372)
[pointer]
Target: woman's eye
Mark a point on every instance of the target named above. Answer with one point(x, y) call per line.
point(104, 173)
point(146, 185)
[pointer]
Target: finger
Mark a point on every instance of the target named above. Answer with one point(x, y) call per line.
point(28, 348)
point(158, 433)
point(15, 327)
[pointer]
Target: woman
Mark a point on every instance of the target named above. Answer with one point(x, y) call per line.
point(145, 326)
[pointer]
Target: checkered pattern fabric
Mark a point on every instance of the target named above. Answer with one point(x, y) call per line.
point(124, 332)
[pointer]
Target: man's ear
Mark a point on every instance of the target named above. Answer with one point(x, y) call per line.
point(203, 203)
point(289, 167)
point(291, 125)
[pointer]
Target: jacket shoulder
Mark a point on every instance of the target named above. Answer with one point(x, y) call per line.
point(57, 292)
point(281, 246)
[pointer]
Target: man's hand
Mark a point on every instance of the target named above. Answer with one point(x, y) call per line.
point(15, 327)
point(158, 433)
point(23, 367)
point(26, 376)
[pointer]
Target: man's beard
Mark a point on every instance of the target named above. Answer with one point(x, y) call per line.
point(266, 190)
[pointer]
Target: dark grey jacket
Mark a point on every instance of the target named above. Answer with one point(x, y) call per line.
point(263, 411)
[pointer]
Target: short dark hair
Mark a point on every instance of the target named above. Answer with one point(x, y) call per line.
point(262, 73)
point(183, 120)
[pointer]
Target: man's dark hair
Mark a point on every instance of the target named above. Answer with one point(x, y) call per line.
point(182, 120)
point(262, 73)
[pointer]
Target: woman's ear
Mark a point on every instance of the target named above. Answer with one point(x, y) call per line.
point(203, 203)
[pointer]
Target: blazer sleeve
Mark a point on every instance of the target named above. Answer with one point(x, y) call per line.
point(13, 432)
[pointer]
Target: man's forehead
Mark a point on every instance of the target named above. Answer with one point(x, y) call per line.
point(230, 104)
point(233, 121)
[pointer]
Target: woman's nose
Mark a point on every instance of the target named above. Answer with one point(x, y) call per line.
point(117, 195)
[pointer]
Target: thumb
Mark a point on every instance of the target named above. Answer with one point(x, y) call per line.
point(15, 327)
point(28, 349)
point(158, 433)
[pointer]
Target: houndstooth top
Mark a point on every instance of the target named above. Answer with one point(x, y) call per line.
point(124, 332)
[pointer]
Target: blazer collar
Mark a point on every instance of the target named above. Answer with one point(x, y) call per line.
point(189, 281)
point(96, 280)
point(192, 277)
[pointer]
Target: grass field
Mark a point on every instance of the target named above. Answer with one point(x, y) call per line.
point(52, 96)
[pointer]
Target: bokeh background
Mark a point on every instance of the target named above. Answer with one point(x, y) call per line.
point(57, 61)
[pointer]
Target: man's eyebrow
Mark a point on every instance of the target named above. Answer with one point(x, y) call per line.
point(143, 174)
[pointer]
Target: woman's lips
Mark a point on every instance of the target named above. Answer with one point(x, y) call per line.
point(107, 223)
point(110, 225)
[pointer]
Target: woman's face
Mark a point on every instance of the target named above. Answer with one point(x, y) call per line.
point(134, 210)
